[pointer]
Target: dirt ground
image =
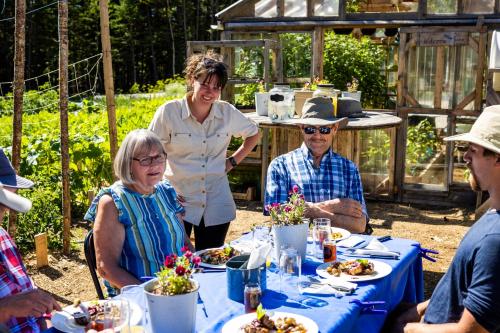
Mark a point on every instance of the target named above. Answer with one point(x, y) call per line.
point(68, 278)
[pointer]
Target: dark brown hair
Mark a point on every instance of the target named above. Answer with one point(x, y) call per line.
point(210, 64)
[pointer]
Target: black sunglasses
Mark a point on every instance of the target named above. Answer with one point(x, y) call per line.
point(322, 130)
point(150, 160)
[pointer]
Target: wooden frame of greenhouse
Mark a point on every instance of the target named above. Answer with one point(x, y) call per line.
point(439, 54)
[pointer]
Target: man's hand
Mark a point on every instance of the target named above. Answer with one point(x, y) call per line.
point(32, 303)
point(344, 206)
point(413, 327)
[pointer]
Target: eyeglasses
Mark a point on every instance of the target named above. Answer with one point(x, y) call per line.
point(150, 160)
point(322, 130)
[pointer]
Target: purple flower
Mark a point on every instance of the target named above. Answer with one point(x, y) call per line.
point(295, 189)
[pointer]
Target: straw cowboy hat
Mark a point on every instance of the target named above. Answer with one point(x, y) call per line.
point(485, 131)
point(318, 111)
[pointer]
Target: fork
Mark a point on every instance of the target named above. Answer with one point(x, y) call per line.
point(315, 283)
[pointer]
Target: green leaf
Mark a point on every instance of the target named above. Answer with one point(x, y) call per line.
point(260, 312)
point(363, 262)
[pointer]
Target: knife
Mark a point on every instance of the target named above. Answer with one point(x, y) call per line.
point(361, 244)
point(384, 238)
point(373, 256)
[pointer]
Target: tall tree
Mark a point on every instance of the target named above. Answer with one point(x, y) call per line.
point(17, 120)
point(171, 28)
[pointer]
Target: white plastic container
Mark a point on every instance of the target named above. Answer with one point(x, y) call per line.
point(281, 104)
point(356, 95)
point(261, 100)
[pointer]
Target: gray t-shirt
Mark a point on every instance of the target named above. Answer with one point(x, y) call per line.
point(473, 279)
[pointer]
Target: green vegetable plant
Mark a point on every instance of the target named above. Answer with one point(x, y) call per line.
point(346, 57)
point(422, 145)
point(90, 160)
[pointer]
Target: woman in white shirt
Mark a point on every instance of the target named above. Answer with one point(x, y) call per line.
point(195, 132)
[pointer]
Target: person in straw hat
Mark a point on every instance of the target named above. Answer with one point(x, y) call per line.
point(468, 295)
point(22, 306)
point(330, 183)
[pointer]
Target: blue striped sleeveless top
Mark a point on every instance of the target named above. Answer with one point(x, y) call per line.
point(152, 229)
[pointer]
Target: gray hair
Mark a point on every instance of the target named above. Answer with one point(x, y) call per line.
point(137, 141)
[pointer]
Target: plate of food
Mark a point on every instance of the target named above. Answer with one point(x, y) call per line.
point(216, 257)
point(272, 323)
point(354, 270)
point(339, 234)
point(84, 316)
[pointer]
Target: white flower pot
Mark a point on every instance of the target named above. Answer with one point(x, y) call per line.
point(261, 100)
point(291, 236)
point(356, 95)
point(176, 313)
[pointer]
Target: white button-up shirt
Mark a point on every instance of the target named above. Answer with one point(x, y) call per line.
point(196, 156)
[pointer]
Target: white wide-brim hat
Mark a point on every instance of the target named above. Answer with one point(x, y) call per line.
point(485, 132)
point(14, 201)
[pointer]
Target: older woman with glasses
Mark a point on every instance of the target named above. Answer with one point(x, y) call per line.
point(138, 219)
point(195, 132)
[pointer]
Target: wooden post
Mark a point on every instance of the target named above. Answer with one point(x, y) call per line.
point(267, 65)
point(438, 90)
point(342, 6)
point(228, 56)
point(42, 258)
point(17, 122)
point(317, 60)
point(400, 150)
point(63, 113)
point(265, 162)
point(309, 8)
point(280, 7)
point(108, 78)
point(481, 60)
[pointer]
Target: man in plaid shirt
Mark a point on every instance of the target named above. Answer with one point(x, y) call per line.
point(330, 183)
point(22, 307)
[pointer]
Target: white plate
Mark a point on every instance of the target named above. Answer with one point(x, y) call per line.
point(202, 264)
point(64, 321)
point(235, 324)
point(345, 233)
point(381, 269)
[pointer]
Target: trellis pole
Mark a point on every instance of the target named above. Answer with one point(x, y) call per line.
point(17, 122)
point(63, 112)
point(108, 77)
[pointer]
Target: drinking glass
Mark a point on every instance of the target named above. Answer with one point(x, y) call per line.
point(116, 314)
point(321, 232)
point(289, 265)
point(134, 294)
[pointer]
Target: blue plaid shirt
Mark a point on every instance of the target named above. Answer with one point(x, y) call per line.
point(337, 177)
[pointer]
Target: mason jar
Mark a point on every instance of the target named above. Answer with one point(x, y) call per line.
point(252, 296)
point(281, 104)
point(329, 91)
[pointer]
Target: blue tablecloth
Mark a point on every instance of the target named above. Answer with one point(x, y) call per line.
point(332, 314)
point(405, 283)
